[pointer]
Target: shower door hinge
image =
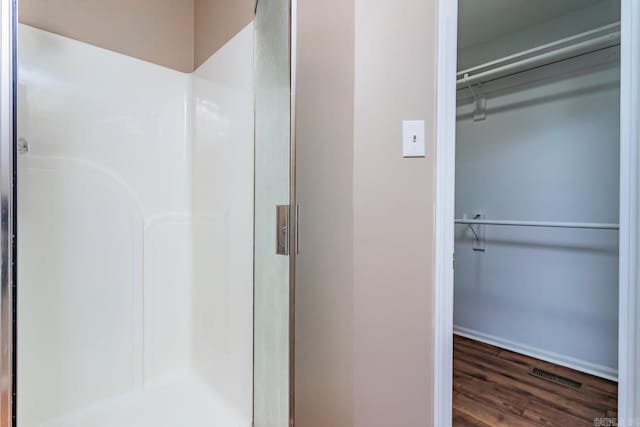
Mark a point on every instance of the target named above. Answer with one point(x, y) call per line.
point(282, 230)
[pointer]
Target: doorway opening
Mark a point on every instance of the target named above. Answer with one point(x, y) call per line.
point(532, 198)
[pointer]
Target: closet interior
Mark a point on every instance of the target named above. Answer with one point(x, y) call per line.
point(537, 212)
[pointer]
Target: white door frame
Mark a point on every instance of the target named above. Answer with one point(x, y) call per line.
point(629, 315)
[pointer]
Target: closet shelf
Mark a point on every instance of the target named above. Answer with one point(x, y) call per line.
point(570, 47)
point(582, 225)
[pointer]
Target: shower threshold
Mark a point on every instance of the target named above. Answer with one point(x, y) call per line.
point(181, 400)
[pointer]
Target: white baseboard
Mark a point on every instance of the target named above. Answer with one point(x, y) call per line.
point(558, 359)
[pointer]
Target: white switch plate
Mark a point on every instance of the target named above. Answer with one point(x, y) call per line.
point(413, 138)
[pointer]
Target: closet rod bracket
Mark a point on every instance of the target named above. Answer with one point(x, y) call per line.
point(479, 102)
point(478, 230)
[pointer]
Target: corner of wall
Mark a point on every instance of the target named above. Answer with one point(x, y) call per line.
point(216, 22)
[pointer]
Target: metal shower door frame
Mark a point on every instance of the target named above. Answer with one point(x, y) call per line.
point(8, 14)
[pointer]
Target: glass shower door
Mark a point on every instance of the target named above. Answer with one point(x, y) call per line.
point(274, 242)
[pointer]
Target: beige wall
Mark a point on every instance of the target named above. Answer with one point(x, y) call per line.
point(324, 279)
point(179, 34)
point(158, 31)
point(216, 22)
point(364, 302)
point(393, 213)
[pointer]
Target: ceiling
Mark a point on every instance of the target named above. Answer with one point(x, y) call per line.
point(481, 21)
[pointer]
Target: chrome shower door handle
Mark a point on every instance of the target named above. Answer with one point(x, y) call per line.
point(282, 230)
point(297, 229)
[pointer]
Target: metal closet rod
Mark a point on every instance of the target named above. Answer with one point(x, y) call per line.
point(583, 225)
point(589, 41)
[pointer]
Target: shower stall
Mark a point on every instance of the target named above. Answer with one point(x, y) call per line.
point(148, 234)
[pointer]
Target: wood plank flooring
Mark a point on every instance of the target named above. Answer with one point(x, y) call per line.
point(492, 387)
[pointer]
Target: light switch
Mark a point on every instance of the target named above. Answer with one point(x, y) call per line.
point(413, 138)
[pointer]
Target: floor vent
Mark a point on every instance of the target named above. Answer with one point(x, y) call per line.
point(557, 379)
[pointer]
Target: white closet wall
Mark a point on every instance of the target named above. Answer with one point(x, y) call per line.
point(135, 237)
point(547, 151)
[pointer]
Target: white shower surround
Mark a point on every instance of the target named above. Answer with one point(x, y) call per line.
point(135, 245)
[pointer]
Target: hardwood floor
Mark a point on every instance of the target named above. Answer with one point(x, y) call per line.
point(492, 387)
